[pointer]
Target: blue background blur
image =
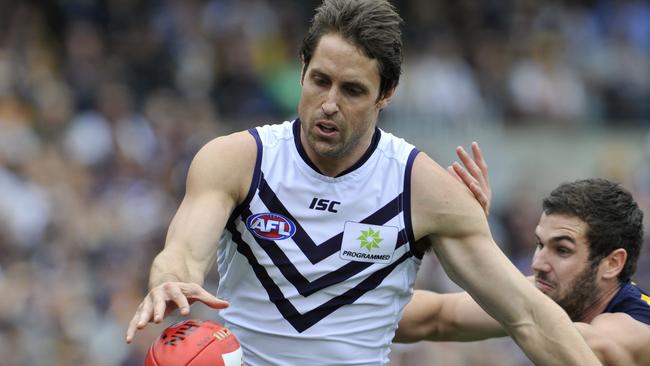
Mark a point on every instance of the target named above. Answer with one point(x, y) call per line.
point(104, 103)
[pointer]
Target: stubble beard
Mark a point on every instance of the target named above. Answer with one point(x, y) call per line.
point(581, 294)
point(331, 150)
point(334, 149)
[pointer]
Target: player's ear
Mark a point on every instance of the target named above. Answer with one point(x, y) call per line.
point(613, 264)
point(386, 98)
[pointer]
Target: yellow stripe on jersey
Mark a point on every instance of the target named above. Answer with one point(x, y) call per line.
point(645, 298)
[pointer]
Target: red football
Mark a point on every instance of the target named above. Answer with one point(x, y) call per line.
point(195, 343)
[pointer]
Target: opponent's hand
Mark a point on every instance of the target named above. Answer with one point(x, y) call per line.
point(167, 297)
point(474, 175)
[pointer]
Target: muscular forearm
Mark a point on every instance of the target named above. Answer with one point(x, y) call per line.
point(214, 188)
point(548, 337)
point(536, 323)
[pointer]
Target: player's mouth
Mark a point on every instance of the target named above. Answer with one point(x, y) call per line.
point(543, 285)
point(326, 129)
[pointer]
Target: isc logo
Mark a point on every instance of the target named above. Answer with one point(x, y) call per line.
point(270, 226)
point(321, 204)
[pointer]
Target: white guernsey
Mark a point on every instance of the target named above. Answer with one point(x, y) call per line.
point(315, 244)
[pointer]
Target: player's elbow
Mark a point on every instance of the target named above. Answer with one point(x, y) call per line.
point(410, 330)
point(422, 319)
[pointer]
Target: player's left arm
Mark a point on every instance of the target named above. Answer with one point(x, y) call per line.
point(446, 215)
point(618, 339)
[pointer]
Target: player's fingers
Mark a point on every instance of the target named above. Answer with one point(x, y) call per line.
point(139, 320)
point(469, 163)
point(130, 331)
point(480, 161)
point(465, 176)
point(159, 309)
point(178, 297)
point(168, 297)
point(146, 313)
point(450, 170)
point(480, 192)
point(196, 292)
point(480, 197)
point(485, 181)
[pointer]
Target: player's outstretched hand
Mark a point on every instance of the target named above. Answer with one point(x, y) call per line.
point(474, 175)
point(167, 297)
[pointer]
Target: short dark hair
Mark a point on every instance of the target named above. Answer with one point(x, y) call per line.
point(371, 25)
point(613, 218)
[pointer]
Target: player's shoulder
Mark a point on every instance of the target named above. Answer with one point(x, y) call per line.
point(640, 293)
point(618, 336)
point(441, 205)
point(605, 320)
point(225, 161)
point(622, 326)
point(235, 147)
point(632, 300)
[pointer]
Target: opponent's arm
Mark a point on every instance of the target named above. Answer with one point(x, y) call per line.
point(218, 179)
point(432, 316)
point(447, 216)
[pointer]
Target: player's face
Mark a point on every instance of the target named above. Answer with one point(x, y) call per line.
point(338, 105)
point(561, 266)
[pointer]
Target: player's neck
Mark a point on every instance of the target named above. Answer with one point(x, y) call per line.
point(333, 166)
point(607, 293)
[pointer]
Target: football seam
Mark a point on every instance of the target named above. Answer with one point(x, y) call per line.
point(153, 356)
point(212, 339)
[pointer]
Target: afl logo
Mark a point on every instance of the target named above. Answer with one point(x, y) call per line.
point(270, 226)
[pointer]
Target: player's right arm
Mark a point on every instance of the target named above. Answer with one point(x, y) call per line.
point(218, 179)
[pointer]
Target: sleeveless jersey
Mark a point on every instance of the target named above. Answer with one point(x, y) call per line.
point(318, 269)
point(632, 301)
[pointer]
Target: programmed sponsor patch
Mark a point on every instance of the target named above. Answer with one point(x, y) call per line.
point(368, 243)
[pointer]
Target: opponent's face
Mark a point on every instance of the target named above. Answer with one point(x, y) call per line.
point(338, 105)
point(561, 266)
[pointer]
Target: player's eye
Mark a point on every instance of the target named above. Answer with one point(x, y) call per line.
point(320, 81)
point(353, 91)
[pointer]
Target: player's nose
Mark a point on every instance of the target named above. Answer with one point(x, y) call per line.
point(540, 263)
point(330, 105)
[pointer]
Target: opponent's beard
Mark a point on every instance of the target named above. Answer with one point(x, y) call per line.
point(581, 295)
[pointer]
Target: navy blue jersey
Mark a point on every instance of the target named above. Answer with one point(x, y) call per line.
point(632, 301)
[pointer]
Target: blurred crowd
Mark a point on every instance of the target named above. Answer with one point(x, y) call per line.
point(104, 103)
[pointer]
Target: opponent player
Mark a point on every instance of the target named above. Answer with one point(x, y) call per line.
point(314, 222)
point(588, 241)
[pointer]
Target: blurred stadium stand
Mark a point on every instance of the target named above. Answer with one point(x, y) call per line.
point(104, 103)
